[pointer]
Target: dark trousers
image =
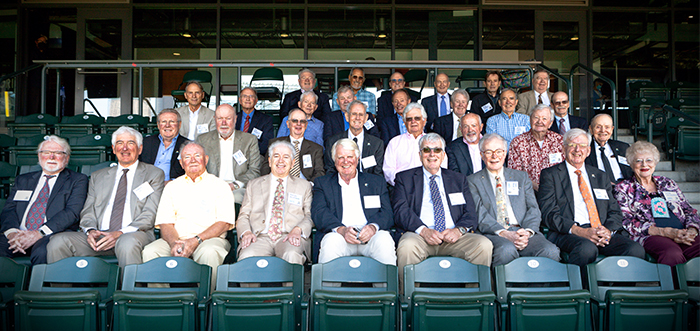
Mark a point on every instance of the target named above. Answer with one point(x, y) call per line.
point(37, 252)
point(667, 251)
point(582, 251)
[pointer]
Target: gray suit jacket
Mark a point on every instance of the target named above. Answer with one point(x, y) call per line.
point(244, 142)
point(527, 100)
point(524, 205)
point(206, 116)
point(143, 212)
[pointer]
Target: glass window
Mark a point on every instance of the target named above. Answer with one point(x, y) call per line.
point(508, 30)
point(687, 47)
point(174, 28)
point(632, 3)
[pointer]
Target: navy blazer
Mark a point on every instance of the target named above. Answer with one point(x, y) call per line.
point(408, 199)
point(291, 101)
point(574, 122)
point(335, 123)
point(262, 122)
point(150, 153)
point(389, 128)
point(371, 145)
point(385, 107)
point(430, 105)
point(458, 157)
point(479, 101)
point(63, 208)
point(444, 126)
point(619, 149)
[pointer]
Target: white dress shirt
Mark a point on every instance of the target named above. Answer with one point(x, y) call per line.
point(426, 210)
point(617, 172)
point(126, 216)
point(193, 122)
point(353, 213)
point(475, 155)
point(580, 210)
point(226, 153)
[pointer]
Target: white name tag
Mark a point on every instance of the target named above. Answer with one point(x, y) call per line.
point(23, 195)
point(520, 130)
point(512, 187)
point(294, 199)
point(671, 196)
point(600, 194)
point(555, 158)
point(622, 160)
point(239, 157)
point(202, 128)
point(369, 125)
point(457, 198)
point(369, 162)
point(256, 132)
point(307, 161)
point(143, 191)
point(372, 201)
point(366, 105)
point(485, 108)
point(469, 105)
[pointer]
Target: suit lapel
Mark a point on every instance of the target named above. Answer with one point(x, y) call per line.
point(335, 191)
point(265, 187)
point(566, 184)
point(236, 147)
point(468, 157)
point(139, 177)
point(418, 185)
point(485, 184)
point(60, 180)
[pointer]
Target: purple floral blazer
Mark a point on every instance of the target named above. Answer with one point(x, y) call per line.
point(635, 204)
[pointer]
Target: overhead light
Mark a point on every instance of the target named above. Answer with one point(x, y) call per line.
point(382, 28)
point(381, 35)
point(574, 38)
point(284, 35)
point(176, 54)
point(187, 35)
point(283, 27)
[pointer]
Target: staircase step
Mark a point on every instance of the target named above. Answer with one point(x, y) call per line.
point(664, 166)
point(624, 132)
point(689, 187)
point(627, 139)
point(678, 176)
point(692, 197)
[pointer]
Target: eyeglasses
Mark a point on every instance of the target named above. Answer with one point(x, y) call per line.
point(572, 145)
point(642, 161)
point(167, 122)
point(498, 152)
point(247, 96)
point(427, 150)
point(358, 77)
point(561, 102)
point(52, 153)
point(416, 118)
point(296, 121)
point(397, 80)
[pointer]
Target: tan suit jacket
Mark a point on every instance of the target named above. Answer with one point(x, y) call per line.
point(244, 142)
point(527, 101)
point(206, 116)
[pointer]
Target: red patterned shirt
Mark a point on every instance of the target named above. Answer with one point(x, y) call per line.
point(525, 154)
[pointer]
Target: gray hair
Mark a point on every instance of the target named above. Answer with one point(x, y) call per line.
point(345, 89)
point(357, 102)
point(281, 143)
point(541, 106)
point(575, 133)
point(347, 145)
point(56, 139)
point(357, 68)
point(472, 114)
point(190, 142)
point(252, 89)
point(461, 92)
point(170, 111)
point(491, 136)
point(412, 106)
point(431, 138)
point(289, 116)
point(503, 91)
point(305, 70)
point(642, 147)
point(128, 130)
point(596, 117)
point(308, 93)
point(195, 83)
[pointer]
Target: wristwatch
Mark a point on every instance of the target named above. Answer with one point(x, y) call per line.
point(199, 240)
point(43, 234)
point(462, 229)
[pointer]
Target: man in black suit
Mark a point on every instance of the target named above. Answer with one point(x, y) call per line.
point(337, 121)
point(163, 150)
point(254, 122)
point(392, 126)
point(486, 104)
point(448, 126)
point(579, 208)
point(437, 104)
point(42, 203)
point(562, 120)
point(385, 103)
point(371, 147)
point(463, 153)
point(617, 166)
point(307, 82)
point(435, 209)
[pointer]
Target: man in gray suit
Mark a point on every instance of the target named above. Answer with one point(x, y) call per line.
point(196, 119)
point(507, 207)
point(539, 94)
point(107, 225)
point(233, 155)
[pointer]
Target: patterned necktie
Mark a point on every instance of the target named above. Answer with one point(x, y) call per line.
point(438, 210)
point(562, 127)
point(115, 220)
point(443, 106)
point(501, 204)
point(296, 166)
point(35, 217)
point(539, 99)
point(275, 231)
point(606, 165)
point(246, 125)
point(588, 199)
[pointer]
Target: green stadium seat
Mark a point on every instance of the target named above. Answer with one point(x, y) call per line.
point(88, 169)
point(354, 293)
point(628, 293)
point(447, 293)
point(687, 142)
point(78, 126)
point(634, 87)
point(538, 293)
point(639, 112)
point(74, 293)
point(136, 122)
point(5, 143)
point(32, 125)
point(25, 151)
point(8, 172)
point(689, 281)
point(13, 278)
point(91, 149)
point(270, 93)
point(415, 75)
point(142, 304)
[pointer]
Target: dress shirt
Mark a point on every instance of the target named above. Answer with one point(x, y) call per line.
point(301, 156)
point(529, 155)
point(164, 155)
point(509, 208)
point(243, 116)
point(580, 210)
point(314, 130)
point(360, 139)
point(194, 206)
point(271, 200)
point(439, 101)
point(567, 124)
point(353, 213)
point(508, 127)
point(364, 96)
point(426, 210)
point(193, 122)
point(545, 98)
point(35, 195)
point(126, 217)
point(226, 153)
point(455, 127)
point(402, 125)
point(402, 154)
point(611, 158)
point(474, 154)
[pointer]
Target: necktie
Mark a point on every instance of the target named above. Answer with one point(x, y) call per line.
point(246, 125)
point(35, 217)
point(359, 164)
point(539, 99)
point(562, 127)
point(590, 204)
point(115, 220)
point(501, 204)
point(296, 166)
point(438, 210)
point(275, 231)
point(459, 132)
point(606, 164)
point(443, 106)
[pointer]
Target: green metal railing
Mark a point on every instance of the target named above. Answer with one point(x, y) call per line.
point(605, 79)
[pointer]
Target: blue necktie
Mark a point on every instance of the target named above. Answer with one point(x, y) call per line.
point(438, 210)
point(443, 107)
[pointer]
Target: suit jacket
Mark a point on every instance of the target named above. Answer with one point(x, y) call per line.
point(408, 199)
point(556, 199)
point(66, 199)
point(253, 213)
point(150, 153)
point(385, 107)
point(574, 122)
point(524, 204)
point(143, 212)
point(444, 126)
point(206, 116)
point(335, 123)
point(308, 147)
point(458, 157)
point(291, 101)
point(619, 149)
point(371, 146)
point(262, 122)
point(389, 128)
point(430, 105)
point(527, 100)
point(244, 142)
point(479, 101)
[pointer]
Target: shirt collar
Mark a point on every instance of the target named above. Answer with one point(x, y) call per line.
point(428, 174)
point(230, 138)
point(353, 181)
point(359, 136)
point(244, 114)
point(131, 168)
point(196, 180)
point(493, 176)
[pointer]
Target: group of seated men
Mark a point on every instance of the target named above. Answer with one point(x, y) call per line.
point(449, 191)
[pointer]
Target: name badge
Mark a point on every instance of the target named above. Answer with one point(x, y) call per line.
point(671, 196)
point(600, 194)
point(369, 162)
point(469, 105)
point(486, 108)
point(369, 125)
point(23, 195)
point(239, 157)
point(457, 198)
point(555, 158)
point(202, 128)
point(143, 191)
point(622, 160)
point(307, 161)
point(294, 199)
point(659, 208)
point(366, 105)
point(256, 132)
point(512, 187)
point(372, 201)
point(520, 130)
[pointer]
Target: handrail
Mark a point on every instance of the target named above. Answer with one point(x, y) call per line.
point(19, 72)
point(605, 79)
point(664, 108)
point(568, 82)
point(93, 107)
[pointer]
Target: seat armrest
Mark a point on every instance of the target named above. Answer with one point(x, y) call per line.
point(87, 295)
point(348, 296)
point(155, 296)
point(419, 296)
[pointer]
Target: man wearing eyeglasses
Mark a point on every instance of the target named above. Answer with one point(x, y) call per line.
point(608, 154)
point(435, 209)
point(308, 155)
point(307, 83)
point(254, 122)
point(579, 208)
point(562, 120)
point(357, 79)
point(505, 202)
point(163, 150)
point(42, 203)
point(384, 103)
point(314, 127)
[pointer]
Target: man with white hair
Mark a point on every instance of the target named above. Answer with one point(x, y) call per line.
point(538, 95)
point(196, 119)
point(463, 153)
point(357, 80)
point(307, 82)
point(314, 128)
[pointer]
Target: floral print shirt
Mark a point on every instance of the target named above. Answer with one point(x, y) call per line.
point(525, 154)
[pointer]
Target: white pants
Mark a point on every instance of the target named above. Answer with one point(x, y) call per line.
point(380, 247)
